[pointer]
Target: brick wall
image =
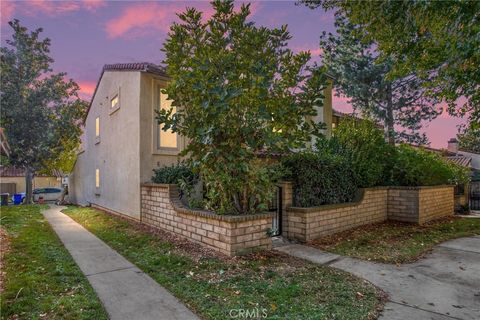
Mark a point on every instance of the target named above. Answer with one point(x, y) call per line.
point(229, 234)
point(305, 224)
point(435, 202)
point(403, 204)
point(420, 204)
point(408, 204)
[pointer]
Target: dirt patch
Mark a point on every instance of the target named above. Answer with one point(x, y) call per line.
point(4, 248)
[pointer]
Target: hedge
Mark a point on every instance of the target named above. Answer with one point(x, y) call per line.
point(319, 179)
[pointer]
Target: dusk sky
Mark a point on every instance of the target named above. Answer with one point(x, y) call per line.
point(87, 34)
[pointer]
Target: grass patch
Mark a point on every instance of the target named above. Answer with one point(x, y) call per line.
point(212, 284)
point(394, 242)
point(41, 279)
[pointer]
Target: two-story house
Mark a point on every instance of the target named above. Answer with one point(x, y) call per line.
point(123, 142)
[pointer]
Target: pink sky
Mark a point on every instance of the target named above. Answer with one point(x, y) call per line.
point(88, 34)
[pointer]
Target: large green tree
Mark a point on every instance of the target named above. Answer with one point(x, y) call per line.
point(469, 139)
point(436, 40)
point(238, 90)
point(400, 104)
point(41, 110)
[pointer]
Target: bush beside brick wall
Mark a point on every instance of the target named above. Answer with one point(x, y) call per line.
point(231, 235)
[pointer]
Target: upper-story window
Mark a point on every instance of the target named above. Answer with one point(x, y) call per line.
point(97, 178)
point(165, 139)
point(114, 102)
point(97, 130)
point(97, 127)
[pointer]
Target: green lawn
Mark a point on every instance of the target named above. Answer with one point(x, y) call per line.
point(212, 285)
point(392, 242)
point(42, 281)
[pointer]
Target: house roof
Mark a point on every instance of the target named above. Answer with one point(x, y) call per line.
point(460, 160)
point(135, 66)
point(456, 158)
point(20, 172)
point(443, 152)
point(466, 150)
point(341, 114)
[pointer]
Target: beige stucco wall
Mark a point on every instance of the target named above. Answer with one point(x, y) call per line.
point(325, 112)
point(328, 108)
point(117, 154)
point(150, 156)
point(78, 181)
point(38, 182)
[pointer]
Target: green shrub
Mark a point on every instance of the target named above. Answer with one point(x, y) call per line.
point(419, 167)
point(319, 179)
point(364, 147)
point(257, 177)
point(182, 176)
point(174, 174)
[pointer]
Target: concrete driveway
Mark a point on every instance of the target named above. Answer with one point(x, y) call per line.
point(443, 285)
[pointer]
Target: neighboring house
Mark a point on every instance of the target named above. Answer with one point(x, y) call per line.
point(467, 156)
point(337, 117)
point(12, 180)
point(122, 141)
point(469, 194)
point(459, 156)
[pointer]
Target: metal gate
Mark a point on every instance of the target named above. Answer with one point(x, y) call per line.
point(275, 206)
point(474, 198)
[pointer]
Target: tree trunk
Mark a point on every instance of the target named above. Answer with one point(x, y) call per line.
point(28, 185)
point(389, 123)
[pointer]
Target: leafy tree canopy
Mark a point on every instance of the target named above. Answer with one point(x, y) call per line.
point(40, 110)
point(436, 40)
point(469, 139)
point(401, 104)
point(237, 89)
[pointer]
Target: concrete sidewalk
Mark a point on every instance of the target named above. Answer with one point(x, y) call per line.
point(443, 285)
point(124, 290)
